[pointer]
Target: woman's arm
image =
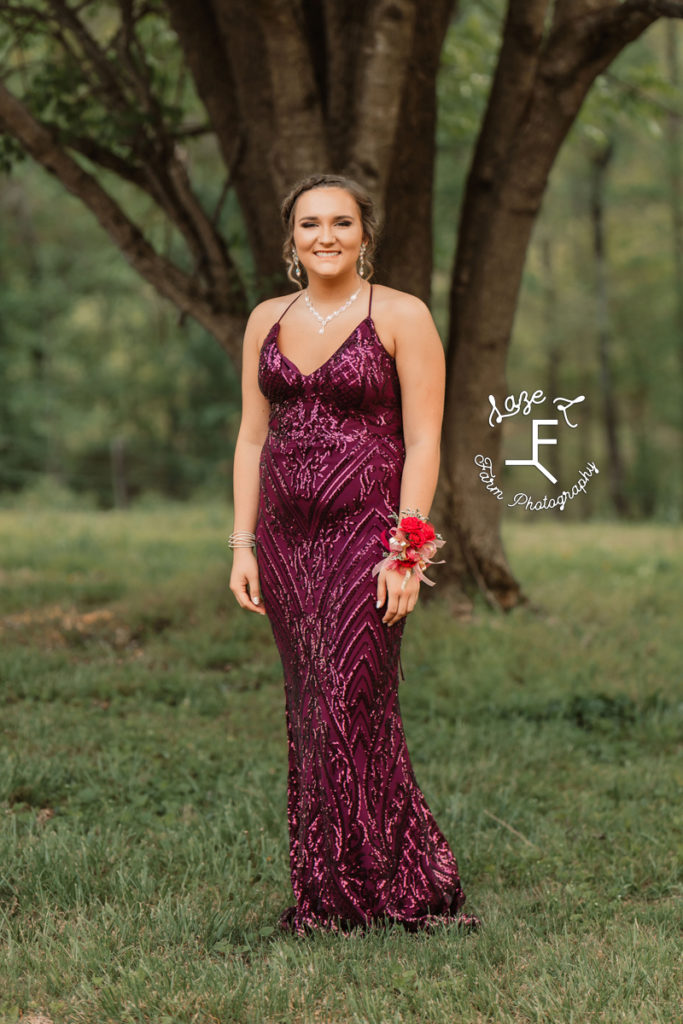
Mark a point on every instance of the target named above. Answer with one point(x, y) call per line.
point(244, 580)
point(421, 367)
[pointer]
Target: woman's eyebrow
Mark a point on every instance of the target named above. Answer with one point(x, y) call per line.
point(335, 216)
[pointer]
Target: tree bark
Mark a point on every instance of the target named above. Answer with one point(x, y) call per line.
point(541, 80)
point(406, 245)
point(382, 74)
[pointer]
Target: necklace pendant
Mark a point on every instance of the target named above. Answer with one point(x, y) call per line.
point(325, 320)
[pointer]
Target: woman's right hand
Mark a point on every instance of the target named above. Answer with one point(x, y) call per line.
point(244, 580)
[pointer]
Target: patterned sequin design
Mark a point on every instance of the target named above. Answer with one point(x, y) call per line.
point(364, 846)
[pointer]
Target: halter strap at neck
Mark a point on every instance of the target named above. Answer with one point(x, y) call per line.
point(296, 297)
point(288, 306)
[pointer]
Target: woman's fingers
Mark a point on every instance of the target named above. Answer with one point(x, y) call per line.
point(253, 594)
point(248, 597)
point(402, 596)
point(381, 588)
point(244, 583)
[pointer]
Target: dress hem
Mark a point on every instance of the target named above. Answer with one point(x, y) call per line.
point(291, 922)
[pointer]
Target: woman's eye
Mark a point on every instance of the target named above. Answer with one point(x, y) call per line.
point(314, 224)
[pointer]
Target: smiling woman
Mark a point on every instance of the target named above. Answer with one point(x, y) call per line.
point(340, 432)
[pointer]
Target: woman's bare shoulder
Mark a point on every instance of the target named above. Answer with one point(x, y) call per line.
point(265, 315)
point(391, 300)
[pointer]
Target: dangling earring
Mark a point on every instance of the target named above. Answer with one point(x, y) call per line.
point(361, 269)
point(297, 265)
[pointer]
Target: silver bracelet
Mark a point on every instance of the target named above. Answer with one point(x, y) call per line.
point(242, 539)
point(413, 512)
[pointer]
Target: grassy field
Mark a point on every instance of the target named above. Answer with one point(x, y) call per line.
point(143, 833)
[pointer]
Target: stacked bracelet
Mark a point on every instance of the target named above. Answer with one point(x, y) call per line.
point(412, 512)
point(412, 544)
point(242, 539)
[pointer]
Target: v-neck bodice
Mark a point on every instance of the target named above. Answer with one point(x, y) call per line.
point(276, 329)
point(356, 390)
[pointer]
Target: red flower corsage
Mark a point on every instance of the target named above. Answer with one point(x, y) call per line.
point(412, 545)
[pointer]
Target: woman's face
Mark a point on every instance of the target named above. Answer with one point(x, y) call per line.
point(328, 232)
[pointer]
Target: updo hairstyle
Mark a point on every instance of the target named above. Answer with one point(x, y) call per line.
point(365, 205)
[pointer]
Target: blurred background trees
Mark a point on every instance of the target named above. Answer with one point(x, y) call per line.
point(109, 391)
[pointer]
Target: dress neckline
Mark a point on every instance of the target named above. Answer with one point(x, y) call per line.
point(275, 331)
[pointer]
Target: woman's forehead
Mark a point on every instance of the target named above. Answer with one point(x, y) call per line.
point(326, 202)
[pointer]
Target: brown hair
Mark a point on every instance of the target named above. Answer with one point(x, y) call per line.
point(365, 205)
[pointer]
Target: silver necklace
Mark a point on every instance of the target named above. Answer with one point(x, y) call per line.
point(324, 320)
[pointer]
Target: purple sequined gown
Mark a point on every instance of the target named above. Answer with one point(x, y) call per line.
point(363, 843)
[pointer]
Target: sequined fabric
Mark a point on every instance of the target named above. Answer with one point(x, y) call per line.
point(364, 846)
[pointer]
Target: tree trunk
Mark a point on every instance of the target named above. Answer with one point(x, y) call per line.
point(542, 77)
point(553, 347)
point(674, 132)
point(615, 472)
point(406, 247)
point(207, 36)
point(119, 481)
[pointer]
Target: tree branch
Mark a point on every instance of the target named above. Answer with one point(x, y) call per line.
point(92, 50)
point(99, 154)
point(652, 8)
point(635, 90)
point(208, 307)
point(581, 47)
point(162, 172)
point(124, 42)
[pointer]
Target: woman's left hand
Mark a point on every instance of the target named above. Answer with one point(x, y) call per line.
point(400, 594)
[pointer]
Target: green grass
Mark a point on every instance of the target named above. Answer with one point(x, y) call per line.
point(143, 833)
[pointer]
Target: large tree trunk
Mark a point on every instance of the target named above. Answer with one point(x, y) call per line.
point(406, 249)
point(541, 80)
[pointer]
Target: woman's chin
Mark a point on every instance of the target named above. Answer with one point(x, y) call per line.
point(331, 268)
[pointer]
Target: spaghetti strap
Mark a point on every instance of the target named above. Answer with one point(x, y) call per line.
point(287, 307)
point(370, 303)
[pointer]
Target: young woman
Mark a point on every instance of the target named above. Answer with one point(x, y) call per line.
point(343, 388)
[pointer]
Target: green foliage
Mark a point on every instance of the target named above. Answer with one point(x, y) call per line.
point(90, 358)
point(143, 833)
point(98, 97)
point(466, 70)
point(90, 355)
